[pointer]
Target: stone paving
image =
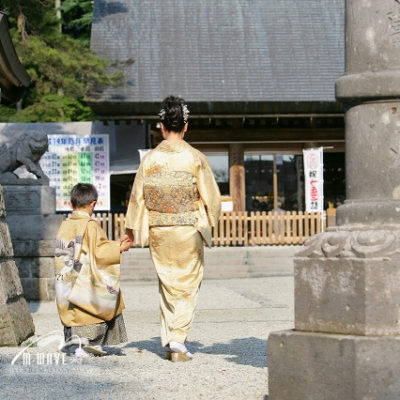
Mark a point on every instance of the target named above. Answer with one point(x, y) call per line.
point(229, 339)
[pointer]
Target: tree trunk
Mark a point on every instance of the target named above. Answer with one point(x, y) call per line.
point(58, 13)
point(21, 22)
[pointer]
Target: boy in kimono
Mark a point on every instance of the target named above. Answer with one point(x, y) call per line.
point(87, 273)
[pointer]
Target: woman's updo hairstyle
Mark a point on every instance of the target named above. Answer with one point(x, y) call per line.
point(174, 113)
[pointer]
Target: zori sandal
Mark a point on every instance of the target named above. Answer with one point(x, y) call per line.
point(96, 350)
point(181, 357)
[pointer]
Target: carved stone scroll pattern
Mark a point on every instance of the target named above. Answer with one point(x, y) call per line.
point(353, 244)
point(394, 21)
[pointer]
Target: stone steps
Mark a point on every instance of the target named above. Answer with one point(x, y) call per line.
point(220, 262)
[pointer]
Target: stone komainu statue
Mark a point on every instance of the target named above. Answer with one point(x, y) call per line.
point(22, 149)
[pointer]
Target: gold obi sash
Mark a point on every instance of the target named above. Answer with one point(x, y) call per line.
point(172, 198)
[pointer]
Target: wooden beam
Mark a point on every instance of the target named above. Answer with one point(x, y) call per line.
point(289, 148)
point(237, 176)
point(259, 134)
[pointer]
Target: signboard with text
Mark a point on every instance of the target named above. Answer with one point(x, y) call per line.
point(72, 159)
point(314, 179)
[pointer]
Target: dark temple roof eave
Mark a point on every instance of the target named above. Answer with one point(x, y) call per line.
point(238, 109)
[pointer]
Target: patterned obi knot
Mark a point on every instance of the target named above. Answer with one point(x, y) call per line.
point(171, 197)
point(171, 192)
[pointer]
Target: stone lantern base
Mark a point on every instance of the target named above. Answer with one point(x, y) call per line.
point(321, 366)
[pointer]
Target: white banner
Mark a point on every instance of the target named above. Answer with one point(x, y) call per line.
point(72, 159)
point(314, 179)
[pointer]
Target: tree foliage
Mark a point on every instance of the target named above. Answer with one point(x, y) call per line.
point(77, 18)
point(61, 65)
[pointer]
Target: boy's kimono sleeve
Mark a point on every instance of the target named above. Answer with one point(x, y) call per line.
point(137, 215)
point(106, 253)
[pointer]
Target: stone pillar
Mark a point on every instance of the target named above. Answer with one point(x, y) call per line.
point(347, 281)
point(236, 176)
point(16, 323)
point(33, 223)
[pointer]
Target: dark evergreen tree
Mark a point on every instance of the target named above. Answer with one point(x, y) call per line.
point(61, 65)
point(77, 16)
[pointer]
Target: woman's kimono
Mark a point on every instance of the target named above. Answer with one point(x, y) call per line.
point(87, 273)
point(174, 203)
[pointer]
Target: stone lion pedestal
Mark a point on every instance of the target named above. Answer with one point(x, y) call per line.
point(31, 210)
point(16, 322)
point(33, 224)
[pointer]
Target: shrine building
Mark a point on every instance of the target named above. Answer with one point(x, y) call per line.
point(259, 80)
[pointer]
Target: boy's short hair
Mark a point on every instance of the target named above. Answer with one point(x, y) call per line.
point(83, 194)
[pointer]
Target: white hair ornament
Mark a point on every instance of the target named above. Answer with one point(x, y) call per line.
point(161, 114)
point(185, 112)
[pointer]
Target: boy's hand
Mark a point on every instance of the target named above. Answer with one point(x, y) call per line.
point(128, 236)
point(125, 238)
point(125, 245)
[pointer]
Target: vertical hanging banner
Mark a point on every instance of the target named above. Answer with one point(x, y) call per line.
point(71, 159)
point(314, 179)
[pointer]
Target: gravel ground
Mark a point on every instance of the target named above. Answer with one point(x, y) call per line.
point(229, 339)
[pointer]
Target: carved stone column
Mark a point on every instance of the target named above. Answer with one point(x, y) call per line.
point(237, 176)
point(346, 340)
point(15, 320)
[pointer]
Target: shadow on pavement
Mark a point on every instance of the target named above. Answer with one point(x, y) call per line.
point(74, 380)
point(114, 351)
point(245, 351)
point(152, 345)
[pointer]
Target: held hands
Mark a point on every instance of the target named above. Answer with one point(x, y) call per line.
point(127, 240)
point(125, 245)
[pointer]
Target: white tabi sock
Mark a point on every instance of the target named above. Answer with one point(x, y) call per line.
point(80, 353)
point(179, 348)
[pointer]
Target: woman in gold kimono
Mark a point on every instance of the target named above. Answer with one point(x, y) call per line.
point(174, 203)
